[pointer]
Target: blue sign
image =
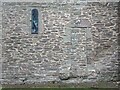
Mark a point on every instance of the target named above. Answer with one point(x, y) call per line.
point(34, 21)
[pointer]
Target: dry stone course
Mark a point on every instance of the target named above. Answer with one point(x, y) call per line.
point(76, 43)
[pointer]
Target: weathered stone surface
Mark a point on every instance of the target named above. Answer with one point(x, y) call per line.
point(85, 53)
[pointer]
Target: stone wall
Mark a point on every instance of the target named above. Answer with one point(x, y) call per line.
point(0, 42)
point(55, 54)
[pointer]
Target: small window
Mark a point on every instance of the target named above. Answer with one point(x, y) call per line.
point(34, 21)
